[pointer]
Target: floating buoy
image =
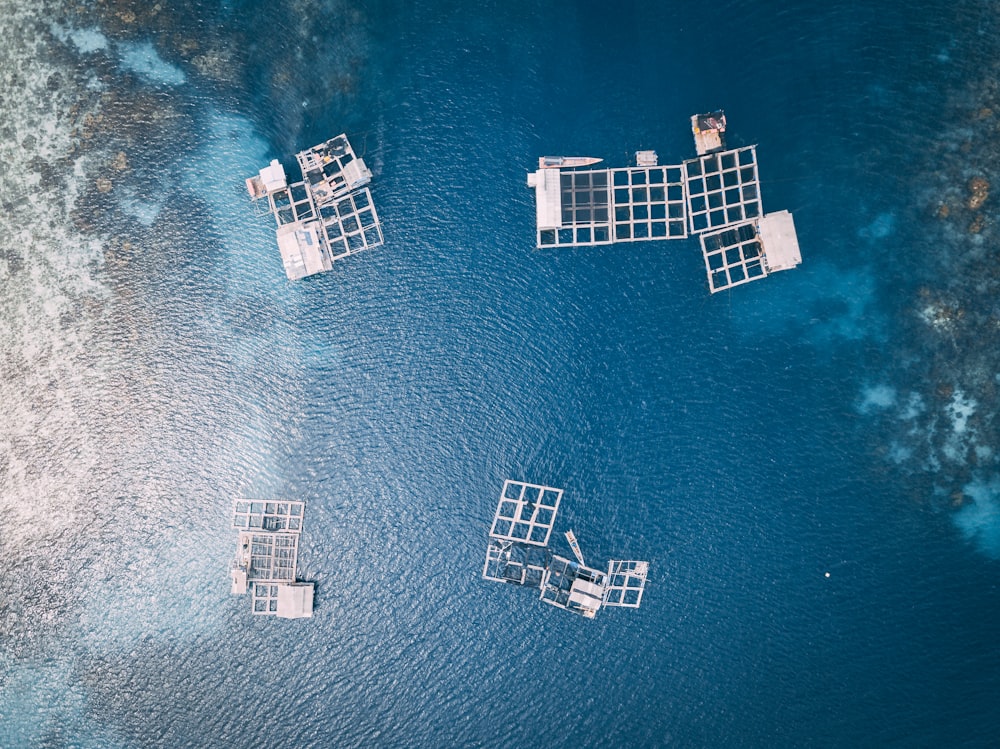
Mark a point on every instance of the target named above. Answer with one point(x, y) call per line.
point(827, 574)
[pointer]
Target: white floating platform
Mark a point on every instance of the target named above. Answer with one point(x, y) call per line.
point(295, 601)
point(708, 130)
point(301, 250)
point(646, 158)
point(548, 211)
point(781, 243)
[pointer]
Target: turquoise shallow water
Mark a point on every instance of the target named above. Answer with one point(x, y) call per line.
point(836, 419)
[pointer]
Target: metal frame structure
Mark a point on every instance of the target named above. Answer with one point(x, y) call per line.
point(518, 553)
point(351, 225)
point(584, 204)
point(268, 515)
point(715, 191)
point(626, 582)
point(722, 188)
point(569, 585)
point(326, 216)
point(733, 256)
point(525, 513)
point(744, 252)
point(519, 564)
point(605, 206)
point(332, 169)
point(648, 203)
point(267, 554)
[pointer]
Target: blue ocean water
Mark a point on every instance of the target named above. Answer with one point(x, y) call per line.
point(840, 418)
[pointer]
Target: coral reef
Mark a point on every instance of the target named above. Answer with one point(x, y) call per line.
point(979, 193)
point(943, 431)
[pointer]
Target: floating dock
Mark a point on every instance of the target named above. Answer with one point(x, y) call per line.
point(709, 132)
point(267, 550)
point(518, 553)
point(716, 191)
point(326, 216)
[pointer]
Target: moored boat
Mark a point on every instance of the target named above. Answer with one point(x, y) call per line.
point(566, 162)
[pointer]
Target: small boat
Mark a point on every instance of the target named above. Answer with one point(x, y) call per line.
point(575, 546)
point(565, 162)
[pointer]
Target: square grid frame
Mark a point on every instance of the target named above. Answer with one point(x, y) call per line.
point(292, 203)
point(625, 584)
point(519, 564)
point(273, 556)
point(585, 204)
point(722, 188)
point(268, 515)
point(511, 522)
point(350, 224)
point(264, 599)
point(733, 256)
point(649, 203)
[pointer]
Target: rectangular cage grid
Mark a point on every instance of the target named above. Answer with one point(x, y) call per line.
point(649, 203)
point(268, 515)
point(293, 203)
point(733, 256)
point(625, 583)
point(351, 224)
point(525, 512)
point(273, 556)
point(584, 202)
point(722, 189)
point(264, 598)
point(519, 564)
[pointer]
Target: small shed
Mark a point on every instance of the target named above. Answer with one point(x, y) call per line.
point(295, 600)
point(779, 240)
point(301, 250)
point(272, 176)
point(708, 131)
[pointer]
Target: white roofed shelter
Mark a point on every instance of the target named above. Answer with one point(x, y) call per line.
point(272, 177)
point(295, 600)
point(779, 240)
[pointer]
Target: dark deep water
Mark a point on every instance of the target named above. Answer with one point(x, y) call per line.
point(156, 364)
